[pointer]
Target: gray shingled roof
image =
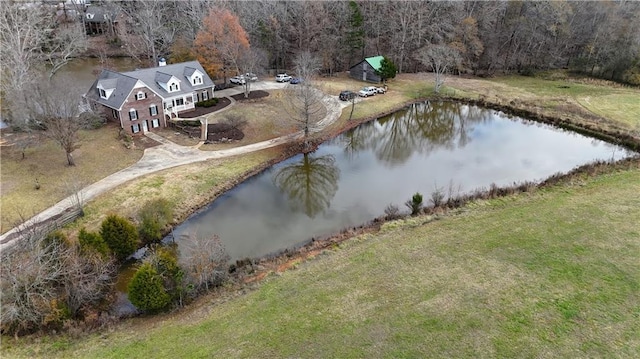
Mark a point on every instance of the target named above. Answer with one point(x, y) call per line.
point(123, 86)
point(188, 71)
point(108, 83)
point(125, 82)
point(162, 77)
point(101, 13)
point(148, 76)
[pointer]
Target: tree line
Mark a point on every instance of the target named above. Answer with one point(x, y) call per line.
point(599, 38)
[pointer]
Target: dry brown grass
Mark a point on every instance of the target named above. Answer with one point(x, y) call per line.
point(266, 119)
point(99, 155)
point(188, 187)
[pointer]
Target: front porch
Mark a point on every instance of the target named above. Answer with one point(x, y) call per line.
point(173, 106)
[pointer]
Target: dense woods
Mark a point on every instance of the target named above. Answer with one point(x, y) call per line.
point(597, 38)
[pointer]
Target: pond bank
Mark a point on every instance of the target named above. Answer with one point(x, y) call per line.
point(313, 244)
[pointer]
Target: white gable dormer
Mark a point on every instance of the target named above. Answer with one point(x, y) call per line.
point(173, 85)
point(168, 82)
point(105, 89)
point(194, 76)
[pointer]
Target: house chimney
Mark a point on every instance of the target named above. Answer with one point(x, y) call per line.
point(162, 62)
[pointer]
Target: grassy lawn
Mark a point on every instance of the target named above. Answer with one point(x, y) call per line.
point(188, 187)
point(550, 274)
point(99, 155)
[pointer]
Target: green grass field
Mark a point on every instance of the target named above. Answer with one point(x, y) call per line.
point(550, 274)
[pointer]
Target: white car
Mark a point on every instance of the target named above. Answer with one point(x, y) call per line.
point(250, 76)
point(238, 80)
point(381, 90)
point(367, 91)
point(283, 78)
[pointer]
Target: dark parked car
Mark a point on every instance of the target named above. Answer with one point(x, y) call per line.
point(295, 81)
point(347, 95)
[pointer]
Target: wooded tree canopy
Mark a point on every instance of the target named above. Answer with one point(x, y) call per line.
point(221, 42)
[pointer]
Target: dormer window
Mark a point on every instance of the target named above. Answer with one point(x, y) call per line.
point(197, 80)
point(103, 93)
point(174, 87)
point(141, 95)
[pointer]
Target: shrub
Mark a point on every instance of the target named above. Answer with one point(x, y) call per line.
point(146, 290)
point(56, 238)
point(154, 216)
point(437, 197)
point(392, 211)
point(120, 235)
point(204, 261)
point(207, 103)
point(235, 121)
point(92, 241)
point(165, 262)
point(415, 204)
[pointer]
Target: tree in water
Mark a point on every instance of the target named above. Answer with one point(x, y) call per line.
point(309, 184)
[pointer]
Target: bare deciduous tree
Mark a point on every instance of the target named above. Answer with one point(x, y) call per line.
point(69, 41)
point(58, 111)
point(251, 62)
point(303, 101)
point(40, 276)
point(150, 29)
point(204, 261)
point(23, 34)
point(441, 59)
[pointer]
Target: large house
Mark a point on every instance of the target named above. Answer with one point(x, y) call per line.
point(365, 70)
point(144, 100)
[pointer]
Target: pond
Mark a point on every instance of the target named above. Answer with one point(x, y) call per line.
point(351, 179)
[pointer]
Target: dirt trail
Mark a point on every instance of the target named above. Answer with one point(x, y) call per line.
point(169, 155)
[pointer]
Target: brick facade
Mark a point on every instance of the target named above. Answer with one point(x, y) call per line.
point(142, 110)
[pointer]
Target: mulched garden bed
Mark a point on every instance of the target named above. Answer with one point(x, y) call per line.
point(253, 95)
point(199, 111)
point(222, 132)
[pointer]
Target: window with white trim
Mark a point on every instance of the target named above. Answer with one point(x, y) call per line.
point(174, 87)
point(133, 114)
point(103, 93)
point(205, 96)
point(115, 114)
point(135, 128)
point(141, 95)
point(155, 123)
point(197, 80)
point(153, 110)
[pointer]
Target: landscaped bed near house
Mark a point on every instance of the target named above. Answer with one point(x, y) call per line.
point(265, 119)
point(202, 110)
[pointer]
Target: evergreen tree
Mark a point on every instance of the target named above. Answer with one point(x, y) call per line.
point(146, 290)
point(120, 235)
point(355, 35)
point(92, 241)
point(387, 70)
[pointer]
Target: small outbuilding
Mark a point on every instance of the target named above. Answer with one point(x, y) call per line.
point(365, 70)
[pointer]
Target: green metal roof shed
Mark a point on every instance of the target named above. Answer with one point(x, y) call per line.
point(365, 70)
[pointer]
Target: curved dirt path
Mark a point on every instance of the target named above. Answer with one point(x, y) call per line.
point(169, 155)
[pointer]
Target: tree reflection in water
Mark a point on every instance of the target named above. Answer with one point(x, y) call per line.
point(421, 128)
point(309, 184)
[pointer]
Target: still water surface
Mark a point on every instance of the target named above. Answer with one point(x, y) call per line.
point(352, 178)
